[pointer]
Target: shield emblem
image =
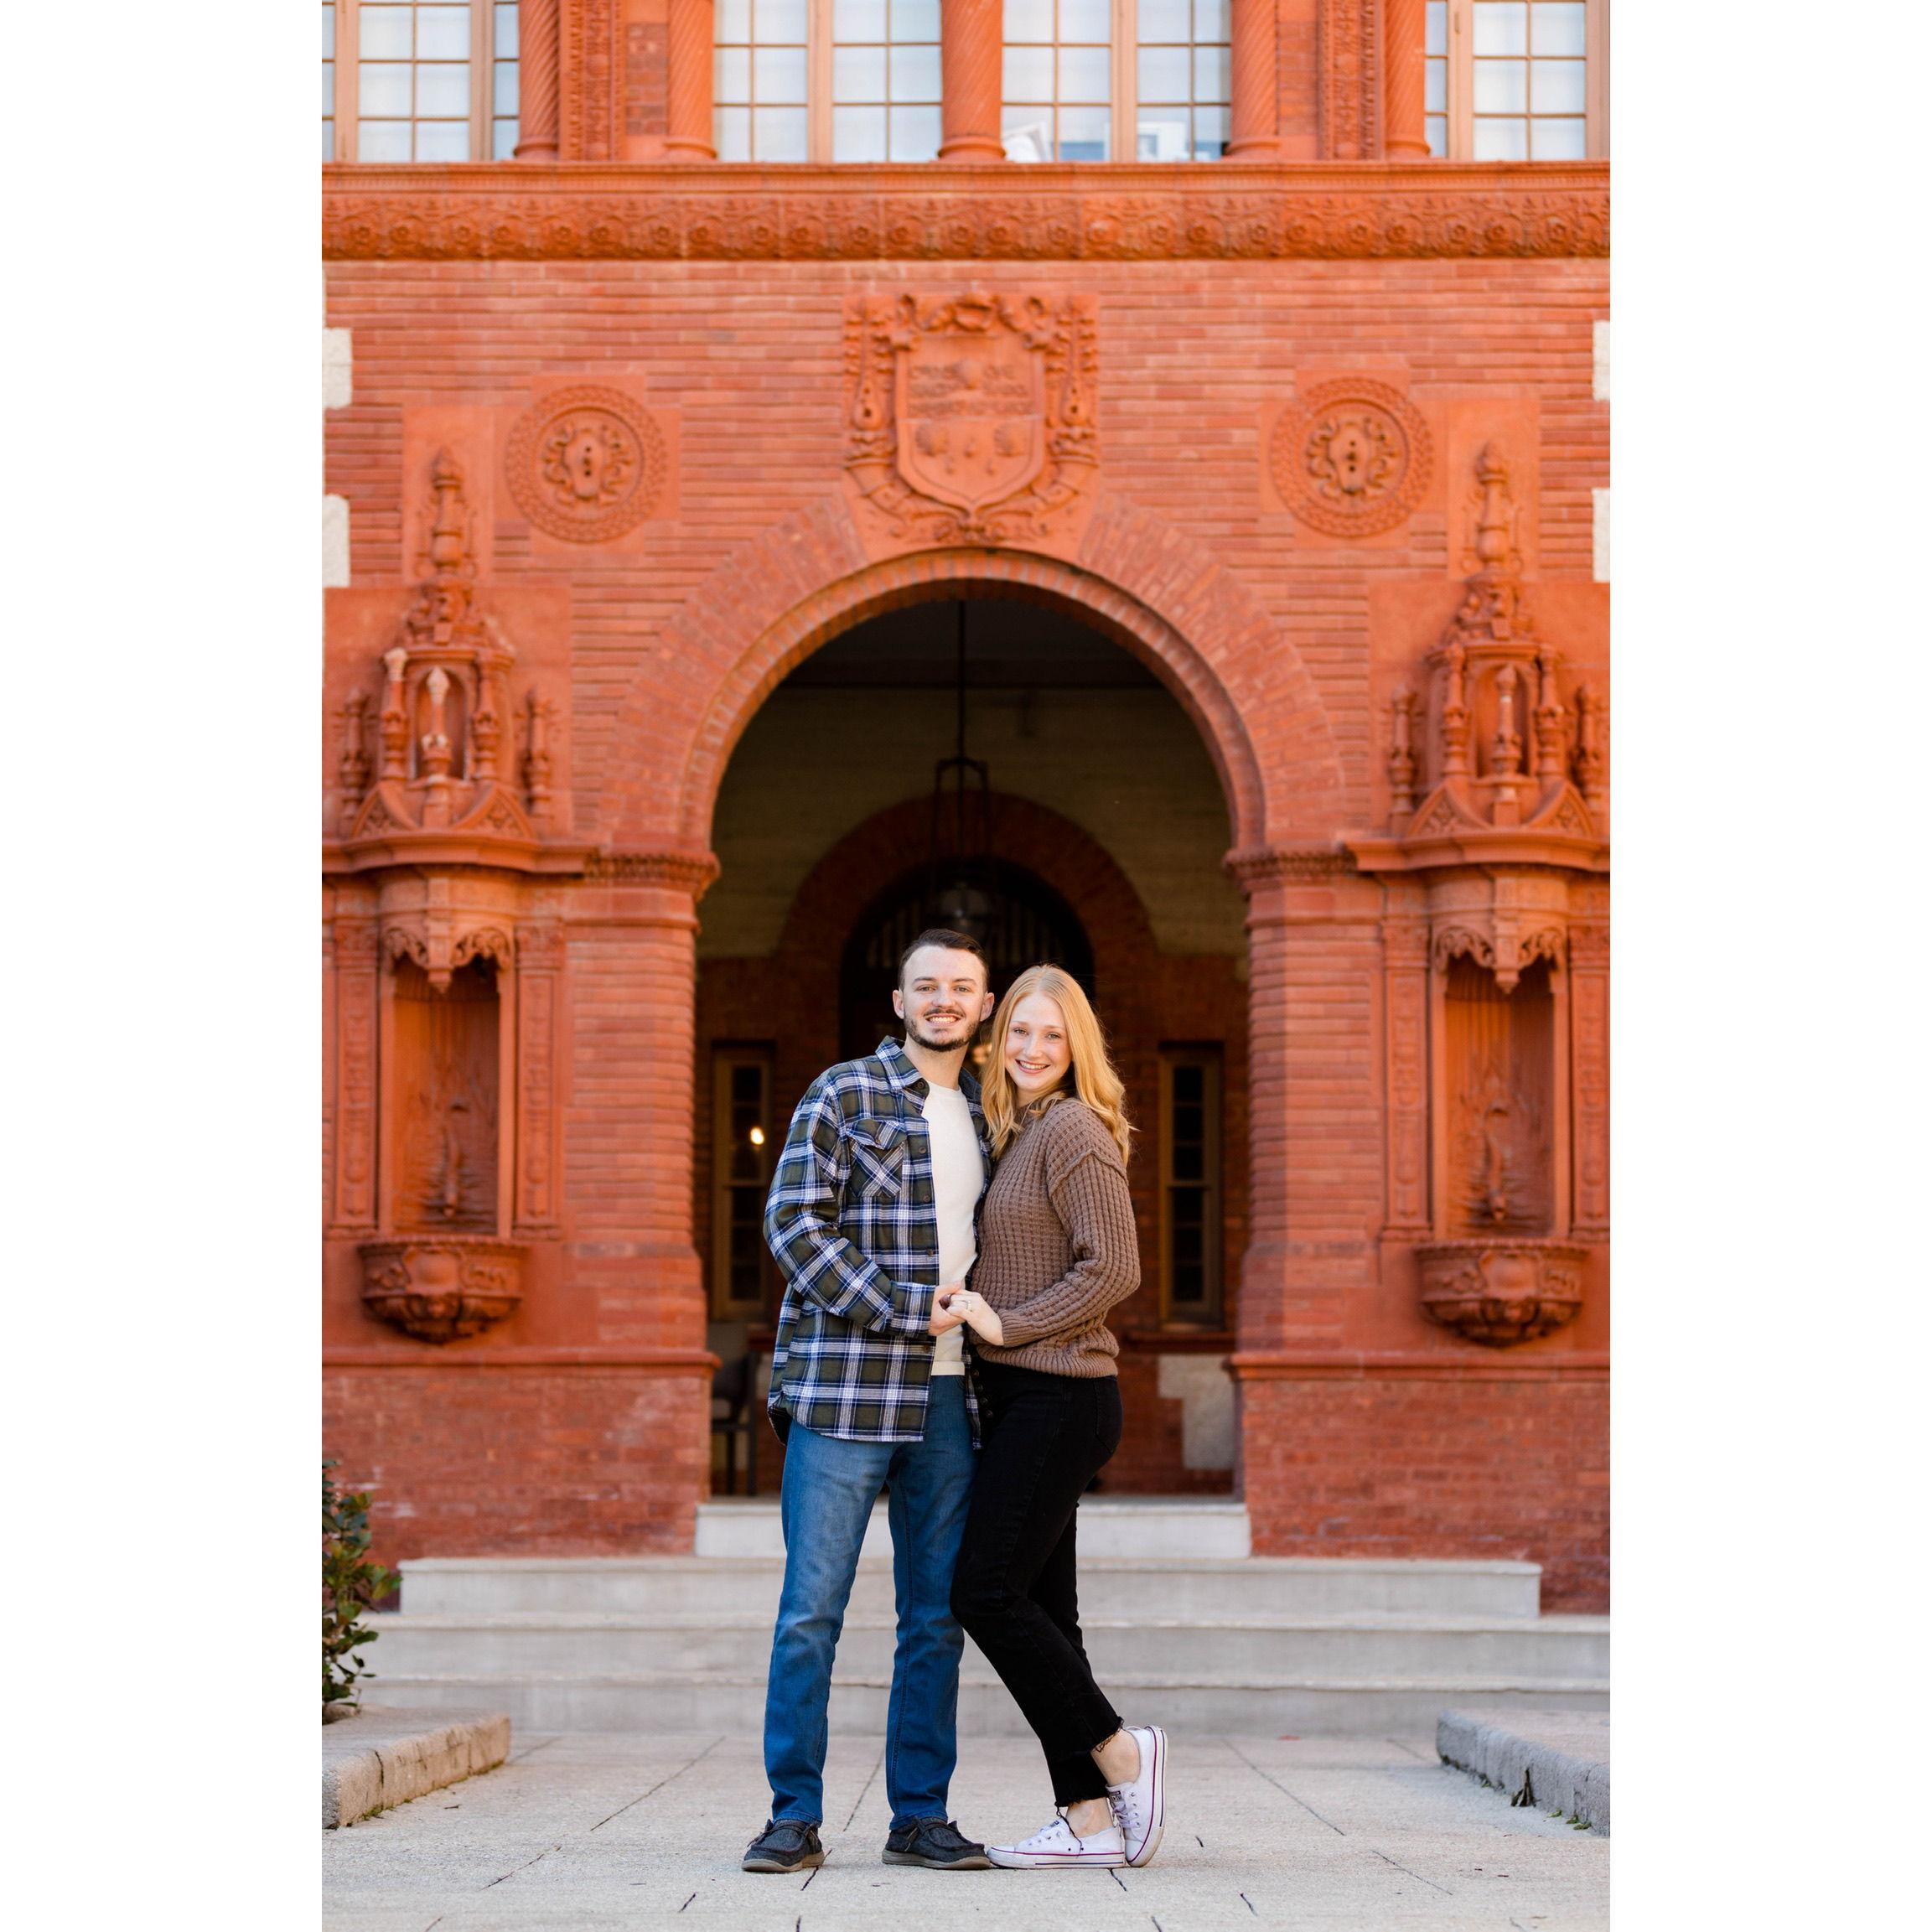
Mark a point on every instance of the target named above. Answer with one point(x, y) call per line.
point(970, 409)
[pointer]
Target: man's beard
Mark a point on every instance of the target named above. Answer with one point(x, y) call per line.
point(933, 1046)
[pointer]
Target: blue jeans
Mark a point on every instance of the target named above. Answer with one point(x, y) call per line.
point(825, 1502)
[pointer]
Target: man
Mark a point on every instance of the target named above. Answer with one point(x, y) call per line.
point(871, 1216)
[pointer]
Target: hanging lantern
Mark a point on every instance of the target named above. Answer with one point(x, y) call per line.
point(959, 850)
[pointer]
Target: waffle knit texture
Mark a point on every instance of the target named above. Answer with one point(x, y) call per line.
point(1058, 1243)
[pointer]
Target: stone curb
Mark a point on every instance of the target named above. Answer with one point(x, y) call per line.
point(381, 1758)
point(1554, 1760)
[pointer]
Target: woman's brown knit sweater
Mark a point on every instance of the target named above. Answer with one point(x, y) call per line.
point(1057, 1244)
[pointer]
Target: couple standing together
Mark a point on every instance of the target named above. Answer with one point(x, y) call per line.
point(880, 1206)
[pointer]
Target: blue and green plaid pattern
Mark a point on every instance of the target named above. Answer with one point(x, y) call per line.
point(851, 1221)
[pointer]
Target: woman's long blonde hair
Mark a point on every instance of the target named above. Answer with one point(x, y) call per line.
point(1091, 1076)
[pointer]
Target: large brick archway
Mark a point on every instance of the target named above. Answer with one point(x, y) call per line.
point(1139, 581)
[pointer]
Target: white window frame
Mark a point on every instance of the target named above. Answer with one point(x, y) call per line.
point(1124, 109)
point(1461, 79)
point(482, 77)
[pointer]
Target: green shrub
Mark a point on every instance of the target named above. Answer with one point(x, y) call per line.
point(351, 1584)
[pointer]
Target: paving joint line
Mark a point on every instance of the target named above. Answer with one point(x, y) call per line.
point(1417, 1876)
point(860, 1800)
point(659, 1785)
point(1283, 1788)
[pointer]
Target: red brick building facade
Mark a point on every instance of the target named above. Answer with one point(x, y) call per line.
point(1261, 499)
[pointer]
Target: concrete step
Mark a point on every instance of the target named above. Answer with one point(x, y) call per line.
point(1202, 1704)
point(1109, 1586)
point(530, 1644)
point(1166, 1528)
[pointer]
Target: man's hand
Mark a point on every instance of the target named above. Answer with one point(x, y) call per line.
point(943, 1318)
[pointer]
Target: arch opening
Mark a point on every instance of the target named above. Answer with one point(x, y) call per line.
point(1105, 820)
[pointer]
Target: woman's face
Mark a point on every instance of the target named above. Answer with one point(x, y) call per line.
point(1037, 1056)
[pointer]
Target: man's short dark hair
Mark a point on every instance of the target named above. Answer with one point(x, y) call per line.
point(952, 941)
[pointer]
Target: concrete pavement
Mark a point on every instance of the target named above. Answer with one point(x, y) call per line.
point(582, 1830)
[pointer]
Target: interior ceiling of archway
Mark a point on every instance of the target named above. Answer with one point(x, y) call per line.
point(1060, 714)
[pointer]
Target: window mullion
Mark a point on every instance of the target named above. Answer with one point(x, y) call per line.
point(1126, 81)
point(482, 76)
point(1597, 79)
point(1462, 80)
point(347, 80)
point(818, 80)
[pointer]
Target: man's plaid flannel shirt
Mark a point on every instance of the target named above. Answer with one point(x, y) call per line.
point(851, 1220)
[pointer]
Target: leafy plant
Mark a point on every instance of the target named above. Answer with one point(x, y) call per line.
point(351, 1584)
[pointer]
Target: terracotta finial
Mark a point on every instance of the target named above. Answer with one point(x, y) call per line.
point(1496, 515)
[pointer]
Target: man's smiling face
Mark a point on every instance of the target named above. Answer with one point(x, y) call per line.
point(942, 997)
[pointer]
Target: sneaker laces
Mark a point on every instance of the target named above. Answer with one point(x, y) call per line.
point(1125, 1799)
point(1054, 1832)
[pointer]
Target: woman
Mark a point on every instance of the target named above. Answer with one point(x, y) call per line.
point(1057, 1248)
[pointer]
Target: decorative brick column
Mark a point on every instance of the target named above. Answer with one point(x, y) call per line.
point(689, 135)
point(1255, 54)
point(632, 934)
point(536, 81)
point(1316, 1149)
point(970, 57)
point(1405, 136)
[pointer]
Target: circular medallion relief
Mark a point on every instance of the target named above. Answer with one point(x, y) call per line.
point(586, 465)
point(1352, 456)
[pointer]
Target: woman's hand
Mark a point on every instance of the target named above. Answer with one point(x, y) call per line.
point(946, 1312)
point(982, 1320)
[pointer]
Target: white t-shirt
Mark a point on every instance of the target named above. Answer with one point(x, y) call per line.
point(958, 1176)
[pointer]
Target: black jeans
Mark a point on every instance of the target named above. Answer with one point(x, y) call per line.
point(1042, 1438)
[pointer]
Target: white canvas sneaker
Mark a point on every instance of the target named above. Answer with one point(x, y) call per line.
point(1056, 1843)
point(1141, 1806)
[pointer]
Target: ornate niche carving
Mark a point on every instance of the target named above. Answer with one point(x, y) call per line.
point(1506, 768)
point(1494, 844)
point(438, 761)
point(1352, 456)
point(586, 465)
point(971, 418)
point(441, 1266)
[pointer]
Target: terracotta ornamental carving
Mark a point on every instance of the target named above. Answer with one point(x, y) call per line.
point(971, 418)
point(1491, 761)
point(441, 1288)
point(441, 760)
point(1497, 1292)
point(937, 211)
point(586, 465)
point(1352, 456)
point(1496, 841)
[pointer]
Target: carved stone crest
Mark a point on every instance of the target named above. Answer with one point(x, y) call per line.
point(586, 465)
point(1352, 457)
point(971, 418)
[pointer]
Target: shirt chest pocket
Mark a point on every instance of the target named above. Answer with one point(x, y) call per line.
point(878, 1148)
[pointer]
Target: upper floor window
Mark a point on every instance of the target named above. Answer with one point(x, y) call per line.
point(859, 80)
point(1182, 73)
point(827, 81)
point(418, 79)
point(1062, 97)
point(1518, 79)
